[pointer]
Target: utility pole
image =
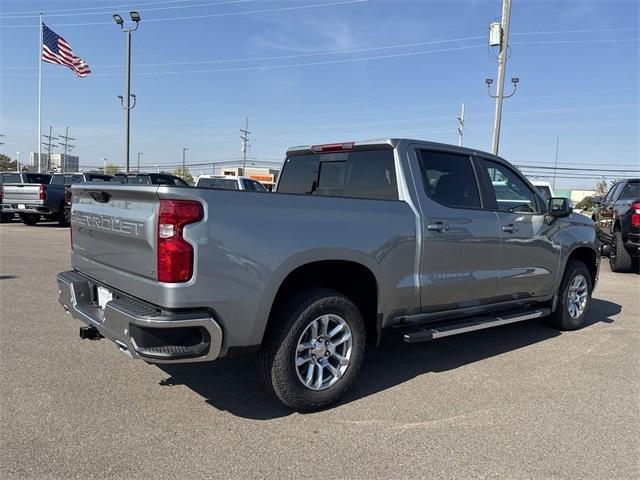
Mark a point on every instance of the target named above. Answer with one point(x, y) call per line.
point(67, 148)
point(49, 145)
point(555, 167)
point(461, 126)
point(139, 153)
point(245, 143)
point(184, 164)
point(503, 42)
point(18, 162)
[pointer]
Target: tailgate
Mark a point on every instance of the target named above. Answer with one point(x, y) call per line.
point(26, 193)
point(114, 230)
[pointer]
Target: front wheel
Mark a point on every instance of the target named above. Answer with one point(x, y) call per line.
point(575, 297)
point(29, 218)
point(314, 349)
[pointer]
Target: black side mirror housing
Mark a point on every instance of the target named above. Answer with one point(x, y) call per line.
point(596, 199)
point(560, 207)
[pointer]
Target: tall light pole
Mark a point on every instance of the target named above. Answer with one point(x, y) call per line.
point(503, 42)
point(126, 102)
point(17, 161)
point(139, 153)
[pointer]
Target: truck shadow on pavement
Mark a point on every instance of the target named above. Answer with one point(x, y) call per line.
point(232, 384)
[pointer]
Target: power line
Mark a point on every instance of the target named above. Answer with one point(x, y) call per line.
point(213, 15)
point(108, 10)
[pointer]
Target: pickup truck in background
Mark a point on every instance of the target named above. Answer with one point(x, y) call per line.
point(31, 196)
point(5, 217)
point(68, 179)
point(617, 219)
point(229, 182)
point(399, 236)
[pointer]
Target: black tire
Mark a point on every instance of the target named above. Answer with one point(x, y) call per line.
point(619, 258)
point(561, 318)
point(6, 217)
point(276, 358)
point(63, 218)
point(29, 218)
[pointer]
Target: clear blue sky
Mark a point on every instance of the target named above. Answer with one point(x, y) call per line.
point(312, 71)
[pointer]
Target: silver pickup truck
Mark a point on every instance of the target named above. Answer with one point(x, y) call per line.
point(31, 196)
point(415, 238)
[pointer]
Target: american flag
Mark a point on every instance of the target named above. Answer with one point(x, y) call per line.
point(55, 49)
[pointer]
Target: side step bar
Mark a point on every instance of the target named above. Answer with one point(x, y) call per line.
point(453, 327)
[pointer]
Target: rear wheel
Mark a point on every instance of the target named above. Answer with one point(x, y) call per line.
point(314, 350)
point(29, 218)
point(6, 217)
point(619, 258)
point(63, 218)
point(574, 297)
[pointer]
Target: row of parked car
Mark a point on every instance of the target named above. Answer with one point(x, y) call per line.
point(36, 196)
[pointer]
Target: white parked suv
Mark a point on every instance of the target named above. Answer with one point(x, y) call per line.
point(229, 182)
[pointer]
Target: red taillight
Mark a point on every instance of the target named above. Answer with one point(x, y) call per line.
point(333, 147)
point(635, 214)
point(175, 255)
point(42, 194)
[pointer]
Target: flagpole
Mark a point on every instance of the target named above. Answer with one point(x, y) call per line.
point(40, 99)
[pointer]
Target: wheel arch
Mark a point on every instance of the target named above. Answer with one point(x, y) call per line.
point(349, 276)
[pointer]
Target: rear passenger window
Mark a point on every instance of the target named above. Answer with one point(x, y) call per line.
point(361, 174)
point(449, 179)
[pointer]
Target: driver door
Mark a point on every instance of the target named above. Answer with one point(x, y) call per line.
point(528, 257)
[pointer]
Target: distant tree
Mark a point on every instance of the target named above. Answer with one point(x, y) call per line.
point(601, 188)
point(111, 169)
point(585, 204)
point(6, 164)
point(183, 174)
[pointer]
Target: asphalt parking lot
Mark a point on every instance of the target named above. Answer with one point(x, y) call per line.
point(519, 401)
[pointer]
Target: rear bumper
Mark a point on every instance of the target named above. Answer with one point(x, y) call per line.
point(15, 207)
point(140, 329)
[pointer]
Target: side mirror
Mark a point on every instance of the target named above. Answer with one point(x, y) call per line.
point(559, 207)
point(596, 199)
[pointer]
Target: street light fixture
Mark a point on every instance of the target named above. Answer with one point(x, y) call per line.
point(126, 101)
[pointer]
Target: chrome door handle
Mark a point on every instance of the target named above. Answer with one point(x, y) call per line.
point(510, 228)
point(438, 227)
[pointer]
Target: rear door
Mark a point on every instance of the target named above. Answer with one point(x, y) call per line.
point(461, 240)
point(529, 259)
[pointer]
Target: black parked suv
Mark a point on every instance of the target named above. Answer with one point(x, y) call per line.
point(617, 218)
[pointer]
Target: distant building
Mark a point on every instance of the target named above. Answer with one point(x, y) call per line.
point(32, 166)
point(579, 195)
point(266, 176)
point(65, 163)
